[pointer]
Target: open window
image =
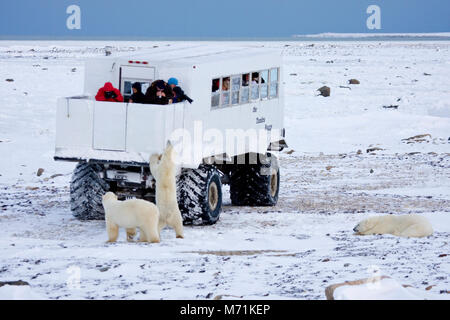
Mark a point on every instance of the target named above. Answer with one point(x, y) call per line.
point(215, 93)
point(225, 91)
point(245, 88)
point(254, 86)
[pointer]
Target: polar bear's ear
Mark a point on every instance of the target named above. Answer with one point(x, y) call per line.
point(169, 144)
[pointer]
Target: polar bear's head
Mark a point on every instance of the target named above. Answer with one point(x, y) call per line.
point(370, 225)
point(366, 225)
point(109, 196)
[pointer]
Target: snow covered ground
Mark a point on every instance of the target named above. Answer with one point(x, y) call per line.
point(330, 181)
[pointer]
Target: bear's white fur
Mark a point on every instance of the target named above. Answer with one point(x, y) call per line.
point(411, 225)
point(130, 214)
point(163, 169)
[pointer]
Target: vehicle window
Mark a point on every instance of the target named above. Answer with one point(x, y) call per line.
point(225, 91)
point(245, 79)
point(235, 87)
point(215, 93)
point(127, 88)
point(254, 85)
point(273, 83)
point(264, 84)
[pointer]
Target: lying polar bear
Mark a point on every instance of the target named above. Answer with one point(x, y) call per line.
point(130, 214)
point(163, 169)
point(411, 225)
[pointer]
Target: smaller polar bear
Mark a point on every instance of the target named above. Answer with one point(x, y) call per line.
point(411, 225)
point(130, 214)
point(163, 169)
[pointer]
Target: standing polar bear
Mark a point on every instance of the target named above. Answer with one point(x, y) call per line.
point(411, 225)
point(163, 170)
point(130, 214)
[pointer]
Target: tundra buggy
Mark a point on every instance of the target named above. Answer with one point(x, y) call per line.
point(229, 134)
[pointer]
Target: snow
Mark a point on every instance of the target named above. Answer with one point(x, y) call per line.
point(291, 251)
point(10, 292)
point(384, 289)
point(329, 35)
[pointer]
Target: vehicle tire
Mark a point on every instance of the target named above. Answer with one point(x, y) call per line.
point(86, 190)
point(255, 184)
point(199, 194)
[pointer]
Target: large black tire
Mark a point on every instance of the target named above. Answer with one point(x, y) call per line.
point(86, 190)
point(199, 194)
point(255, 184)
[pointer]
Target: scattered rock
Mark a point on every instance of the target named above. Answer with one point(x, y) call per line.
point(429, 287)
point(329, 291)
point(290, 151)
point(344, 87)
point(419, 136)
point(74, 69)
point(426, 74)
point(329, 168)
point(14, 283)
point(220, 296)
point(9, 80)
point(391, 107)
point(374, 149)
point(326, 260)
point(442, 255)
point(324, 91)
point(293, 74)
point(31, 188)
point(359, 152)
point(371, 170)
point(40, 172)
point(353, 81)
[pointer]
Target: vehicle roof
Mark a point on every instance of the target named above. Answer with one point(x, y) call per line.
point(188, 54)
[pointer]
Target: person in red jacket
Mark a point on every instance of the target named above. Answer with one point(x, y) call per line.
point(109, 93)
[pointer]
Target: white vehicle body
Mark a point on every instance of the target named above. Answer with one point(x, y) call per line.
point(128, 133)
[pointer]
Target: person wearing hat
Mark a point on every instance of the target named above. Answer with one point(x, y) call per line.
point(178, 93)
point(137, 96)
point(109, 93)
point(172, 82)
point(159, 92)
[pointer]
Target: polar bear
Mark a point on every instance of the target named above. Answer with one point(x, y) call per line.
point(411, 225)
point(130, 214)
point(163, 169)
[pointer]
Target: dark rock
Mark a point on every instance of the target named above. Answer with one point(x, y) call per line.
point(40, 172)
point(391, 107)
point(324, 91)
point(9, 80)
point(14, 283)
point(353, 81)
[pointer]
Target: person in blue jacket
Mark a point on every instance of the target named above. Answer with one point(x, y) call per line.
point(178, 93)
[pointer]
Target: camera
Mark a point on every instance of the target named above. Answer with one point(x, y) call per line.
point(110, 95)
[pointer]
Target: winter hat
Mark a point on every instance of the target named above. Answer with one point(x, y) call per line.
point(173, 81)
point(108, 86)
point(159, 84)
point(137, 86)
